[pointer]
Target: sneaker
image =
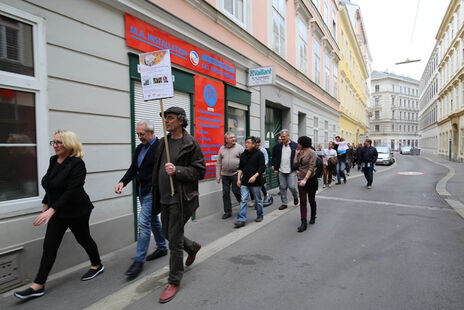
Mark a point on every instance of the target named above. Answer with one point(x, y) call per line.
point(259, 219)
point(29, 293)
point(92, 273)
point(324, 186)
point(239, 224)
point(369, 187)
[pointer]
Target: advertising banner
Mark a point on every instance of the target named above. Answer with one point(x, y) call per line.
point(261, 76)
point(146, 38)
point(156, 75)
point(209, 120)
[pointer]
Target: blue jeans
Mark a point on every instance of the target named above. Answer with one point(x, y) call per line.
point(244, 192)
point(340, 170)
point(147, 224)
point(287, 180)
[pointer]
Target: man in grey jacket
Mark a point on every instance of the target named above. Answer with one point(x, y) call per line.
point(226, 169)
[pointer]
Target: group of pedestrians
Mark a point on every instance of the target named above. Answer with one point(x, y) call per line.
point(169, 187)
point(163, 186)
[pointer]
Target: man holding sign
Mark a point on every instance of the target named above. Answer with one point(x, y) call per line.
point(186, 167)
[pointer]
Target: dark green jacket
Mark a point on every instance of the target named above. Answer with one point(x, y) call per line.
point(190, 168)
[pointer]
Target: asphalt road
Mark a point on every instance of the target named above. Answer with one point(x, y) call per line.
point(396, 246)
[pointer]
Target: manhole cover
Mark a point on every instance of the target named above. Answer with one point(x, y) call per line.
point(410, 173)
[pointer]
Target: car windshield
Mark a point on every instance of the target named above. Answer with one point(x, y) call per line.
point(383, 150)
point(406, 148)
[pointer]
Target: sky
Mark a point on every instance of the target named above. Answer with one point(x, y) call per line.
point(389, 27)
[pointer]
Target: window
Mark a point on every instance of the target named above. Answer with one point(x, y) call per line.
point(393, 127)
point(393, 87)
point(316, 61)
point(327, 72)
point(342, 36)
point(316, 137)
point(334, 23)
point(316, 122)
point(376, 100)
point(377, 115)
point(377, 128)
point(236, 9)
point(326, 13)
point(16, 47)
point(302, 46)
point(24, 149)
point(393, 115)
point(236, 114)
point(326, 125)
point(335, 79)
point(278, 26)
point(377, 88)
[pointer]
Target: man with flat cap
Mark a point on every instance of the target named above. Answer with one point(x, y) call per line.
point(186, 168)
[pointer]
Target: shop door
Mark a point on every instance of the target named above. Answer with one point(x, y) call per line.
point(273, 126)
point(150, 110)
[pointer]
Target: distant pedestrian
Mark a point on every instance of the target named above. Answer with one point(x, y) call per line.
point(341, 159)
point(141, 170)
point(186, 168)
point(368, 159)
point(226, 169)
point(276, 149)
point(285, 169)
point(358, 155)
point(65, 205)
point(305, 160)
point(329, 161)
point(320, 151)
point(250, 171)
point(349, 158)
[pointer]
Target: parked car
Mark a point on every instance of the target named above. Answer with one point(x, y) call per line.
point(406, 150)
point(385, 156)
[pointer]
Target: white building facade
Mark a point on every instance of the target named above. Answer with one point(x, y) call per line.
point(394, 110)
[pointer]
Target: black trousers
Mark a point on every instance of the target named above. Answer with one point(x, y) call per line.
point(55, 231)
point(229, 182)
point(369, 174)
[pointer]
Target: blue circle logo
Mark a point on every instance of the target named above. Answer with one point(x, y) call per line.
point(194, 59)
point(210, 95)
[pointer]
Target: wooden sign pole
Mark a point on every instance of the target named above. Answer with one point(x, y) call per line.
point(166, 145)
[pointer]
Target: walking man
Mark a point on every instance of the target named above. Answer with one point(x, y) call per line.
point(226, 169)
point(341, 160)
point(186, 168)
point(285, 169)
point(368, 158)
point(141, 169)
point(250, 171)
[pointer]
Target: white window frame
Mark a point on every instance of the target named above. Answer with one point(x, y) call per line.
point(335, 79)
point(316, 51)
point(327, 72)
point(302, 40)
point(37, 85)
point(243, 23)
point(281, 46)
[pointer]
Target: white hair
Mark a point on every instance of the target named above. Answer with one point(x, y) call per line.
point(148, 125)
point(284, 130)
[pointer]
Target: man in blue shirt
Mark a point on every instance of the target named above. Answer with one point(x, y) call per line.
point(142, 170)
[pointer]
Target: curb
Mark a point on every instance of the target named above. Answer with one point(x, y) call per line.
point(441, 188)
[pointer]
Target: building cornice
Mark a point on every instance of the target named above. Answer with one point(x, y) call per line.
point(446, 19)
point(451, 116)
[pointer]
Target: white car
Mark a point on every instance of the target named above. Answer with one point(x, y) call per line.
point(385, 156)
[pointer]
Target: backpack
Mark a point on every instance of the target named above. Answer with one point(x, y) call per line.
point(319, 167)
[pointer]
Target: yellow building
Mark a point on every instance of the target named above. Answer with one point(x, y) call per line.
point(451, 82)
point(352, 81)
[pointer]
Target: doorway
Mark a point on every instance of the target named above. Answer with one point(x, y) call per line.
point(273, 126)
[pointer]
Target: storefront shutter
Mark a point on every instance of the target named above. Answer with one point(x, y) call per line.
point(150, 110)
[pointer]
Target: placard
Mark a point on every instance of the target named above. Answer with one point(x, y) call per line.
point(156, 75)
point(209, 120)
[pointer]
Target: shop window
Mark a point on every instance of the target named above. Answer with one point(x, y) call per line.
point(236, 120)
point(18, 154)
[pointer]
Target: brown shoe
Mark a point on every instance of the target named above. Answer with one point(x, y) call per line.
point(295, 201)
point(282, 207)
point(169, 293)
point(191, 257)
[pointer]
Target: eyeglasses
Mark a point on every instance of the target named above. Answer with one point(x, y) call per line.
point(58, 143)
point(140, 134)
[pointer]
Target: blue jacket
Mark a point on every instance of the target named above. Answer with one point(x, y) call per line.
point(277, 156)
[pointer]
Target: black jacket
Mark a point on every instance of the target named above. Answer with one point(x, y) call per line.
point(368, 155)
point(144, 173)
point(64, 191)
point(277, 155)
point(190, 168)
point(250, 163)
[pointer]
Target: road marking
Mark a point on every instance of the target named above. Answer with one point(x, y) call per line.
point(146, 285)
point(410, 173)
point(386, 203)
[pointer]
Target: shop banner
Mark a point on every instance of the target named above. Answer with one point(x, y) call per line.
point(156, 75)
point(146, 38)
point(209, 120)
point(261, 76)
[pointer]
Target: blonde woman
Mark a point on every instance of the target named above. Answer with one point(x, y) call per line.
point(65, 205)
